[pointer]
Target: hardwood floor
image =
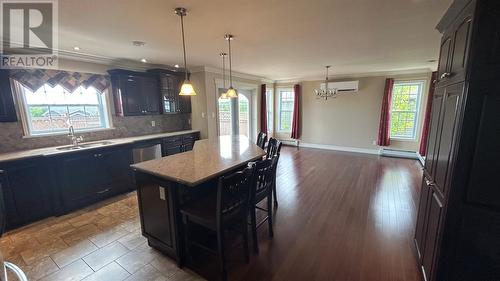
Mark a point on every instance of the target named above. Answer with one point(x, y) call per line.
point(341, 216)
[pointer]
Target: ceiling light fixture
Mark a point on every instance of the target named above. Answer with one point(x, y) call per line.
point(186, 88)
point(224, 94)
point(231, 92)
point(326, 92)
point(76, 48)
point(144, 60)
point(176, 66)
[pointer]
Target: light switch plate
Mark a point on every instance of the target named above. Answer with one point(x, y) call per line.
point(162, 193)
point(153, 123)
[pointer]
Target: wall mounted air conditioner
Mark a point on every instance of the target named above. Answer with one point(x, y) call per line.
point(343, 87)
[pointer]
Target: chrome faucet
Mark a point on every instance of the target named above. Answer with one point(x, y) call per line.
point(74, 139)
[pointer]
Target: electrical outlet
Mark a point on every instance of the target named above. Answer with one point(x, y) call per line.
point(153, 123)
point(374, 142)
point(189, 121)
point(203, 115)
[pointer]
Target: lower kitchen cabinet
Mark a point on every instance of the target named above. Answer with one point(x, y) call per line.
point(178, 144)
point(26, 192)
point(87, 177)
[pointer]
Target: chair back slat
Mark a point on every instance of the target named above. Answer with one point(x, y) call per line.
point(262, 139)
point(273, 148)
point(233, 193)
point(264, 176)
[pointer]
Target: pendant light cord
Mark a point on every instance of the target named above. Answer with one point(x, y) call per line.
point(230, 64)
point(184, 47)
point(223, 70)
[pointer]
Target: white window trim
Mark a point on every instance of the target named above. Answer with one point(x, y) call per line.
point(23, 114)
point(270, 110)
point(418, 111)
point(278, 112)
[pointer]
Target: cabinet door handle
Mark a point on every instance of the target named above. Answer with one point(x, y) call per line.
point(429, 182)
point(103, 191)
point(445, 75)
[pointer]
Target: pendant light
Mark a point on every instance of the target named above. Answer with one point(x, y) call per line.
point(223, 55)
point(186, 88)
point(231, 92)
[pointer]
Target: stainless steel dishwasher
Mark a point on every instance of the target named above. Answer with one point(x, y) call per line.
point(146, 151)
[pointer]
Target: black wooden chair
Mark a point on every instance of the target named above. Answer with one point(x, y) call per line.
point(273, 151)
point(262, 189)
point(261, 140)
point(228, 210)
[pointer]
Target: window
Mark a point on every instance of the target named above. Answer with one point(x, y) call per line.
point(52, 110)
point(406, 98)
point(285, 109)
point(269, 108)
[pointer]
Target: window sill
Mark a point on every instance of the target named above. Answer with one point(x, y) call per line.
point(66, 133)
point(404, 139)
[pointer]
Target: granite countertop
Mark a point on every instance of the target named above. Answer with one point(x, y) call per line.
point(51, 151)
point(208, 159)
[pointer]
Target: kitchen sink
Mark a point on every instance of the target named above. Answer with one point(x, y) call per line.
point(93, 144)
point(84, 145)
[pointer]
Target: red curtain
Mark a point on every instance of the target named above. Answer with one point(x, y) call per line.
point(296, 112)
point(427, 120)
point(263, 109)
point(384, 137)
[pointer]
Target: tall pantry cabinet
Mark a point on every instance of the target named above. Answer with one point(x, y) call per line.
point(457, 234)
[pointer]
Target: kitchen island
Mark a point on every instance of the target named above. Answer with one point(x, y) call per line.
point(164, 184)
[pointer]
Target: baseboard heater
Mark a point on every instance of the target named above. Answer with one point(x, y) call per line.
point(399, 153)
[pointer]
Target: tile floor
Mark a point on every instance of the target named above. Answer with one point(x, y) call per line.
point(102, 242)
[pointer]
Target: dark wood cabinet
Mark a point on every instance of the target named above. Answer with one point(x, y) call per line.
point(7, 108)
point(455, 47)
point(170, 84)
point(158, 219)
point(26, 192)
point(135, 93)
point(87, 177)
point(178, 144)
point(2, 204)
point(458, 222)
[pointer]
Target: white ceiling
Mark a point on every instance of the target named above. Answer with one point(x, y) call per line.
point(276, 39)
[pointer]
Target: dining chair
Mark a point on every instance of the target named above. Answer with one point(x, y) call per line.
point(261, 140)
point(273, 151)
point(222, 212)
point(262, 189)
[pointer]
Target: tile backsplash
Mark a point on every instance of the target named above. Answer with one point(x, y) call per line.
point(12, 136)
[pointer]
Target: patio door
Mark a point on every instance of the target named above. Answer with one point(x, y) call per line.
point(235, 114)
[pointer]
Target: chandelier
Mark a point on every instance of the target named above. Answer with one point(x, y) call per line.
point(326, 92)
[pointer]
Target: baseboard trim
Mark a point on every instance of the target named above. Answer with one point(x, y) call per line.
point(421, 159)
point(399, 153)
point(340, 148)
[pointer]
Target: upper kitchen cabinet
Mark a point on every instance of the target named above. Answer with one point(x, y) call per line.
point(135, 93)
point(455, 46)
point(7, 109)
point(170, 83)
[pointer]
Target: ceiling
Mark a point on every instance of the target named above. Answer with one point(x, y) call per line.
point(275, 39)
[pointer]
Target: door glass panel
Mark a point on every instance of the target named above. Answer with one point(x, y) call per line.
point(244, 120)
point(235, 115)
point(225, 113)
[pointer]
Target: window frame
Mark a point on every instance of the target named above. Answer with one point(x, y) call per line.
point(280, 92)
point(25, 117)
point(270, 110)
point(417, 112)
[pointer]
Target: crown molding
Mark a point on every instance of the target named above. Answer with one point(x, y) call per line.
point(235, 74)
point(358, 75)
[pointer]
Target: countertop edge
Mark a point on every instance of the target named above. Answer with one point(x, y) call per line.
point(52, 151)
point(192, 184)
